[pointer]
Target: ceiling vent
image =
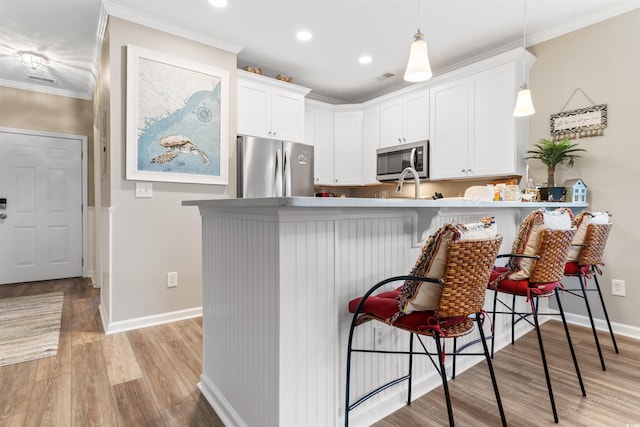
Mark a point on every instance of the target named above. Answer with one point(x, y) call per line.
point(41, 79)
point(385, 76)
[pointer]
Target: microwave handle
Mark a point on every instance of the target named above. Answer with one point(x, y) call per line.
point(412, 160)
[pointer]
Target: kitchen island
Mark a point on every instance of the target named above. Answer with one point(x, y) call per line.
point(277, 276)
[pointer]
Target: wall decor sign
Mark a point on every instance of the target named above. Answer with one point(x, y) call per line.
point(177, 120)
point(580, 123)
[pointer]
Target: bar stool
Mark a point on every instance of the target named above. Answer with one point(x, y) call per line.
point(467, 266)
point(586, 265)
point(547, 270)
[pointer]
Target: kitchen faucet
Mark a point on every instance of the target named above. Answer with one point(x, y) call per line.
point(415, 178)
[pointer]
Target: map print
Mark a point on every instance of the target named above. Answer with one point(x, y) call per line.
point(178, 120)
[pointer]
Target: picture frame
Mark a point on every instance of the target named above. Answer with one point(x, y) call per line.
point(177, 119)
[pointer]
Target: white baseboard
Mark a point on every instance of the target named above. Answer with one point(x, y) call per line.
point(94, 280)
point(220, 405)
point(601, 324)
point(143, 322)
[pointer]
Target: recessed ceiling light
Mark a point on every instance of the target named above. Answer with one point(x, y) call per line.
point(365, 59)
point(218, 3)
point(303, 35)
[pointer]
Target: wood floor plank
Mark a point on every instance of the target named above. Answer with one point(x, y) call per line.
point(135, 405)
point(121, 363)
point(167, 387)
point(50, 403)
point(16, 383)
point(91, 393)
point(187, 413)
point(83, 324)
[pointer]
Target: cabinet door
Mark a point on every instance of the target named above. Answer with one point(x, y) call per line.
point(449, 126)
point(253, 109)
point(493, 127)
point(416, 116)
point(391, 122)
point(347, 145)
point(323, 142)
point(287, 115)
point(370, 143)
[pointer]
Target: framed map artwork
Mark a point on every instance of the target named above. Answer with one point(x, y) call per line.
point(177, 119)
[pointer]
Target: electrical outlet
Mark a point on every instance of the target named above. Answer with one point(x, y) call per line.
point(617, 287)
point(378, 337)
point(172, 280)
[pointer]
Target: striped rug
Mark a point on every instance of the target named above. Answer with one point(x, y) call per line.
point(29, 327)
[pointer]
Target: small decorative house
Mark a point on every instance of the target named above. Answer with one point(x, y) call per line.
point(575, 190)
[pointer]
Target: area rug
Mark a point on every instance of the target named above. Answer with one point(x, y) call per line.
point(29, 327)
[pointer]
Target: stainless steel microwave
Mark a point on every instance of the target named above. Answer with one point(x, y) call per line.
point(393, 160)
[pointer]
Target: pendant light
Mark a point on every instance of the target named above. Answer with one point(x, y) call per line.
point(524, 103)
point(418, 67)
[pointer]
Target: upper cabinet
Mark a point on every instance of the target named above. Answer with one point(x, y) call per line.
point(472, 129)
point(270, 108)
point(370, 143)
point(405, 118)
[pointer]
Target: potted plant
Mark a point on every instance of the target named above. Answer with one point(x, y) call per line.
point(553, 153)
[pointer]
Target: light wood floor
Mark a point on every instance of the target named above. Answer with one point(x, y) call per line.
point(613, 396)
point(145, 377)
point(149, 377)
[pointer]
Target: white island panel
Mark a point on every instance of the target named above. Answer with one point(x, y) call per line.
point(277, 276)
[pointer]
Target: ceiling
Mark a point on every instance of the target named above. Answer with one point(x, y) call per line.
point(69, 33)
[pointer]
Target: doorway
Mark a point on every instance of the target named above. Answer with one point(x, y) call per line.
point(42, 205)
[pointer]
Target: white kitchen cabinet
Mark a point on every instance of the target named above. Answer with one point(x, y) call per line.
point(270, 108)
point(323, 142)
point(347, 147)
point(472, 129)
point(405, 118)
point(370, 143)
point(449, 130)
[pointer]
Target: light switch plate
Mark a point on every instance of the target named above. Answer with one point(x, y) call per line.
point(144, 189)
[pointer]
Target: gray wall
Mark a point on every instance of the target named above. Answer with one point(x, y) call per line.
point(604, 61)
point(151, 237)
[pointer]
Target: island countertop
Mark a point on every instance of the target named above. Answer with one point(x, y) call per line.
point(352, 202)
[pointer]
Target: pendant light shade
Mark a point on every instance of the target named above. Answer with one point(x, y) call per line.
point(418, 67)
point(524, 103)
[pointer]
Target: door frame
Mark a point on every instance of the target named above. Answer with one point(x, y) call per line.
point(82, 139)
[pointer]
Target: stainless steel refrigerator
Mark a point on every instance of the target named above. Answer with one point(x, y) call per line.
point(273, 168)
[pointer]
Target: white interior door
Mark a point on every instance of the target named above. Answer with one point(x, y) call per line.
point(41, 226)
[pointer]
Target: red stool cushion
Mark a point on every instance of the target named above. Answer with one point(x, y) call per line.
point(385, 305)
point(573, 268)
point(517, 287)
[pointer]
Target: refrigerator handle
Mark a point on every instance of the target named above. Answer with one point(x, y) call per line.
point(287, 174)
point(277, 173)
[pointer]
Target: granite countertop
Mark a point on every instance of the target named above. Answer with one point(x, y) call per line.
point(352, 202)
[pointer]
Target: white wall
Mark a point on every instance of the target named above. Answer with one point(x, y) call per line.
point(151, 237)
point(604, 61)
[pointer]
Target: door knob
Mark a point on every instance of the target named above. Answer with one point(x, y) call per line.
point(3, 215)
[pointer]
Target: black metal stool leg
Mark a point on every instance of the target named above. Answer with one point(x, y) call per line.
point(493, 321)
point(455, 350)
point(443, 374)
point(544, 363)
point(513, 320)
point(410, 367)
point(606, 315)
point(582, 281)
point(491, 372)
point(573, 353)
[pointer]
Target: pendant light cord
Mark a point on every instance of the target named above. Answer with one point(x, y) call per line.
point(524, 42)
